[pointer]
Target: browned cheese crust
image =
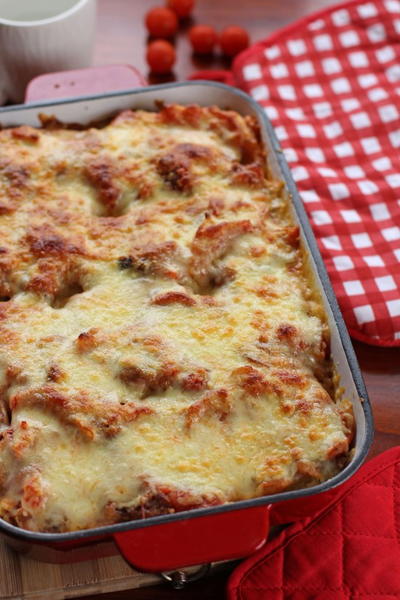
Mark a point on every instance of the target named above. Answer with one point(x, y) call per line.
point(161, 344)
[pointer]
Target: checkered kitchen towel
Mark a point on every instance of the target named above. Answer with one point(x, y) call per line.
point(331, 86)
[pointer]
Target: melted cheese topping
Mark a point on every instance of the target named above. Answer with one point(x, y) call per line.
point(161, 346)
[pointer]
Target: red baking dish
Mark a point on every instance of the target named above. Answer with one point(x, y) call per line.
point(233, 530)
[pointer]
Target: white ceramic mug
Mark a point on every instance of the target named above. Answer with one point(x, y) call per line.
point(41, 36)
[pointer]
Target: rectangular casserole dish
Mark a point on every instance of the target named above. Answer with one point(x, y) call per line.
point(231, 530)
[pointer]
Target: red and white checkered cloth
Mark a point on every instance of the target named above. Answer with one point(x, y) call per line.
point(331, 86)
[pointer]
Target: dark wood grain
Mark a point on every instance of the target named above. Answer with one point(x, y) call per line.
point(121, 39)
point(381, 371)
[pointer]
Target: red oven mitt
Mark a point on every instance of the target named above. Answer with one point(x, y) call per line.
point(330, 84)
point(350, 550)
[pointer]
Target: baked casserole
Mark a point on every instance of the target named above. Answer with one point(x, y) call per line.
point(162, 344)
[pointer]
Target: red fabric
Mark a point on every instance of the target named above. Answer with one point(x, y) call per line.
point(330, 85)
point(351, 550)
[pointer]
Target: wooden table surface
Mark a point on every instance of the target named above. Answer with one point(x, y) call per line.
point(121, 38)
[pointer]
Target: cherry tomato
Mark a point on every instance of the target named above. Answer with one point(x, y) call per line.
point(160, 56)
point(183, 8)
point(161, 22)
point(233, 40)
point(203, 38)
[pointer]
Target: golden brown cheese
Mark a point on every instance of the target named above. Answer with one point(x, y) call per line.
point(161, 346)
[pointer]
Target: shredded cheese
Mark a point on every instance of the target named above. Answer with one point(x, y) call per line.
point(161, 344)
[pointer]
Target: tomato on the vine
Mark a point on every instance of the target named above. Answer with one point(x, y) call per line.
point(160, 56)
point(161, 22)
point(203, 38)
point(233, 40)
point(183, 8)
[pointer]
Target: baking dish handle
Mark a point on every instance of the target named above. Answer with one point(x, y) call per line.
point(222, 76)
point(195, 540)
point(83, 82)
